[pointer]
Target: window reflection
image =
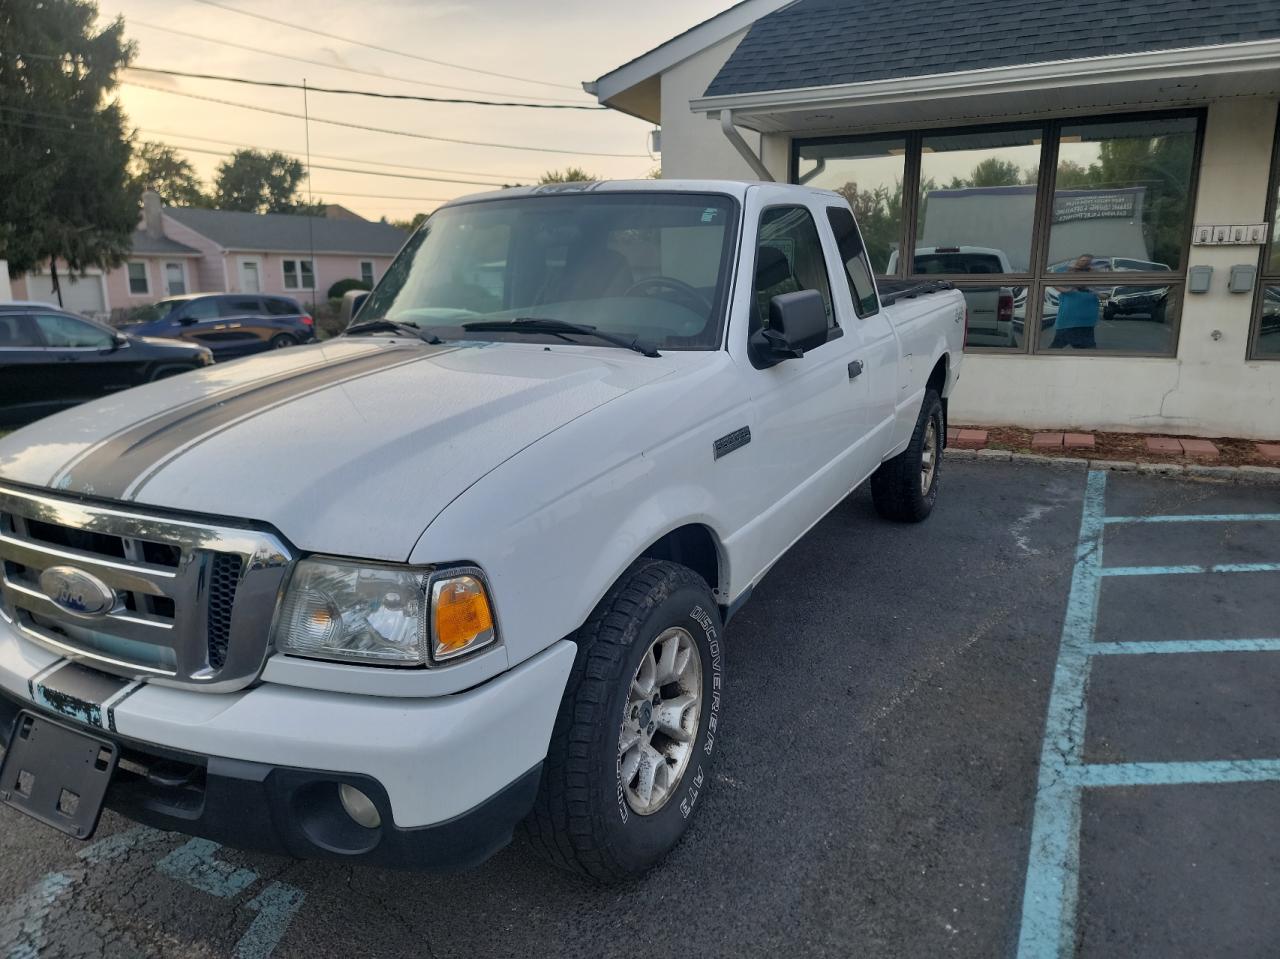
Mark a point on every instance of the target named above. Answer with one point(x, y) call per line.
point(1268, 344)
point(997, 316)
point(869, 174)
point(978, 201)
point(1123, 193)
point(1118, 319)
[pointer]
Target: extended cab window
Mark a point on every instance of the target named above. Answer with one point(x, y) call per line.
point(856, 268)
point(789, 259)
point(67, 333)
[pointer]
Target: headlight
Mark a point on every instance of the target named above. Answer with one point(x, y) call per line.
point(383, 615)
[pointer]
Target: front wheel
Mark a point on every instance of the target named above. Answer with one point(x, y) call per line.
point(905, 488)
point(630, 754)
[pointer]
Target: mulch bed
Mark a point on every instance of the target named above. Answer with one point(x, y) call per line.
point(1130, 447)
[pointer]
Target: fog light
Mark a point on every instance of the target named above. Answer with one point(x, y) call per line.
point(359, 806)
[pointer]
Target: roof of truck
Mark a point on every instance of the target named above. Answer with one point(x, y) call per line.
point(734, 188)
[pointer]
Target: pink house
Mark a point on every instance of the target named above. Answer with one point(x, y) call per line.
point(189, 250)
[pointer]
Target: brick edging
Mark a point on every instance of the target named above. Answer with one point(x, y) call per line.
point(1268, 475)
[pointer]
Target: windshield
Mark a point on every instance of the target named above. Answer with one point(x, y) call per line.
point(648, 265)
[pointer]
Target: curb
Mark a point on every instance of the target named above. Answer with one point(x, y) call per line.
point(1258, 475)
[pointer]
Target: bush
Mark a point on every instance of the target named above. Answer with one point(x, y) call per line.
point(341, 287)
point(328, 319)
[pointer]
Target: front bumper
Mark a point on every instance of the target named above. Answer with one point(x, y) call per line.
point(450, 775)
point(294, 812)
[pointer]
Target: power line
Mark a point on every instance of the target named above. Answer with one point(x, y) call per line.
point(374, 46)
point(362, 93)
point(506, 177)
point(372, 196)
point(328, 66)
point(385, 196)
point(341, 169)
point(402, 133)
point(318, 166)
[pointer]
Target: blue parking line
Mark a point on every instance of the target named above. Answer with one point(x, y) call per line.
point(196, 865)
point(276, 906)
point(1113, 775)
point(1203, 518)
point(1053, 868)
point(1186, 646)
point(1184, 570)
point(1049, 900)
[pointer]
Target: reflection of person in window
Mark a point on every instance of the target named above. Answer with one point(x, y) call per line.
point(1078, 310)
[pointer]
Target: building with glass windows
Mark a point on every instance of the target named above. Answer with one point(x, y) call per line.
point(1099, 179)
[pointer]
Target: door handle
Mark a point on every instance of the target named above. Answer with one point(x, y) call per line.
point(855, 369)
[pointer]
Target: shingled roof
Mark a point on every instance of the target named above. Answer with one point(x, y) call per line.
point(289, 232)
point(829, 42)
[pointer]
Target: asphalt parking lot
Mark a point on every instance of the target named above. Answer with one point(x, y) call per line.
point(885, 786)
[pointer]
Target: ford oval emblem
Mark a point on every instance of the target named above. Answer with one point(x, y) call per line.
point(76, 591)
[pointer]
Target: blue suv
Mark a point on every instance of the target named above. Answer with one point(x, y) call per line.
point(229, 324)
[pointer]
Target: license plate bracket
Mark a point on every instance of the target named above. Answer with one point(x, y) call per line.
point(57, 774)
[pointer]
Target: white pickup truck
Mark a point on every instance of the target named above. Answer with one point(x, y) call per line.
point(386, 597)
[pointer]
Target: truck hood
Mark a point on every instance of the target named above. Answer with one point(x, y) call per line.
point(351, 446)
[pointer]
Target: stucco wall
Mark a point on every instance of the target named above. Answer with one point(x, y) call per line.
point(1209, 389)
point(118, 295)
point(329, 268)
point(694, 146)
point(205, 274)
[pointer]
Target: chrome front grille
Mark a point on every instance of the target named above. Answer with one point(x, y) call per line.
point(192, 603)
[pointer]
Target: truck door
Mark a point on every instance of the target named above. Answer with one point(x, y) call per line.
point(811, 420)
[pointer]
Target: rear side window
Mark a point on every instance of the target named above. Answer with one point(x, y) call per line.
point(16, 332)
point(788, 259)
point(240, 305)
point(278, 307)
point(854, 258)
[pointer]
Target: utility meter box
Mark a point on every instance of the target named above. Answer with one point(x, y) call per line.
point(1242, 275)
point(1199, 279)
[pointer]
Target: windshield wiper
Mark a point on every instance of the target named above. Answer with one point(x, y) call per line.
point(392, 326)
point(536, 324)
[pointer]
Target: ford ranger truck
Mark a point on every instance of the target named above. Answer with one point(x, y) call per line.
point(468, 565)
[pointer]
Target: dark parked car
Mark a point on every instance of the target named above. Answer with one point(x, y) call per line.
point(50, 360)
point(230, 324)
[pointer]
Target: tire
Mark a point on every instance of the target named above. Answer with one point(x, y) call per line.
point(281, 341)
point(586, 818)
point(899, 488)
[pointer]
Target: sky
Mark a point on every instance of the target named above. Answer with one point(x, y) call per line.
point(561, 44)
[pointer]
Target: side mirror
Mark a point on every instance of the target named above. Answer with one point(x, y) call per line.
point(119, 340)
point(352, 300)
point(797, 323)
point(187, 321)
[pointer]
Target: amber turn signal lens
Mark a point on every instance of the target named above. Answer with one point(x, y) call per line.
point(462, 618)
